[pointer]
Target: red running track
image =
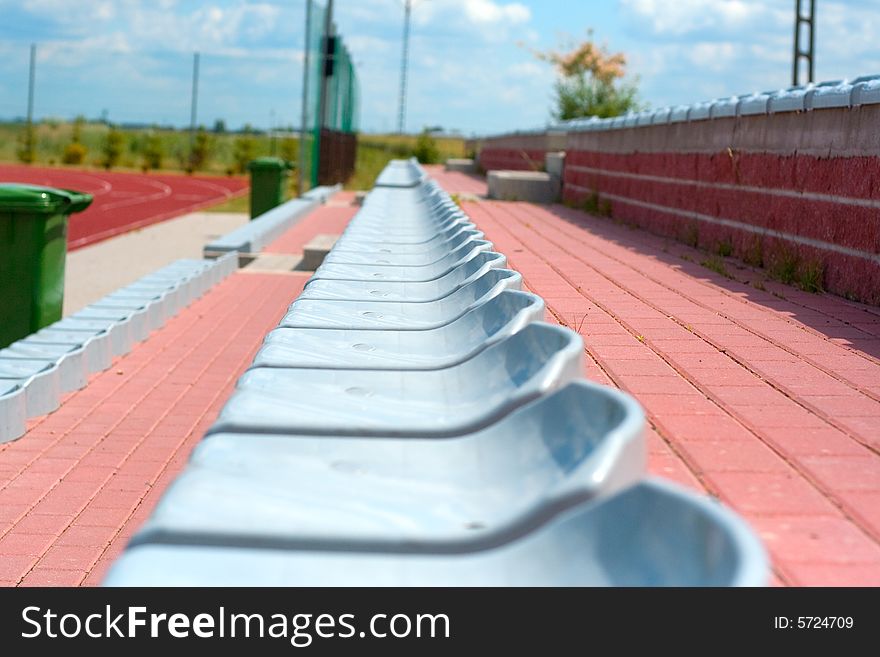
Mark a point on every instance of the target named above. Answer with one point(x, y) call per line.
point(126, 201)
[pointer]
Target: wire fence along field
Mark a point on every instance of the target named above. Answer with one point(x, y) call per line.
point(247, 106)
point(150, 96)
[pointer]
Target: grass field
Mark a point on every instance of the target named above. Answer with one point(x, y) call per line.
point(53, 137)
point(374, 151)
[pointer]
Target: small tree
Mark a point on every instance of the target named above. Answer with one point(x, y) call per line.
point(114, 144)
point(219, 126)
point(75, 152)
point(426, 150)
point(201, 150)
point(153, 152)
point(27, 145)
point(590, 82)
point(243, 150)
point(289, 149)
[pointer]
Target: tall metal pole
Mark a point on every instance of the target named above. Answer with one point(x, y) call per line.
point(812, 38)
point(304, 115)
point(32, 76)
point(194, 103)
point(809, 20)
point(401, 111)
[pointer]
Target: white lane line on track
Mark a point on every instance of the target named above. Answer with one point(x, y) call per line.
point(164, 192)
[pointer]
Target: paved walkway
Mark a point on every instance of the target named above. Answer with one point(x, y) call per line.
point(762, 395)
point(455, 182)
point(769, 400)
point(84, 478)
point(331, 219)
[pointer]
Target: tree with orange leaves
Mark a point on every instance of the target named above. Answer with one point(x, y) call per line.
point(591, 81)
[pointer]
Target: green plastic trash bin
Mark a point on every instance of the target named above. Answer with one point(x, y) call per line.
point(268, 181)
point(33, 247)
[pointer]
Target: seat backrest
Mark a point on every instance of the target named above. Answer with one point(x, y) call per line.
point(509, 311)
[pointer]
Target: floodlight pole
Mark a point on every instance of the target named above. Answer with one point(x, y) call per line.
point(194, 104)
point(799, 52)
point(304, 115)
point(401, 111)
point(31, 78)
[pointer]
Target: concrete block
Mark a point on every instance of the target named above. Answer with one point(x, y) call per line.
point(462, 165)
point(316, 250)
point(554, 163)
point(533, 186)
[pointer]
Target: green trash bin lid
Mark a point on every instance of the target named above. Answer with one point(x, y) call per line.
point(41, 200)
point(271, 163)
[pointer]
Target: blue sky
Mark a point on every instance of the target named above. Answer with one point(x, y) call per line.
point(471, 65)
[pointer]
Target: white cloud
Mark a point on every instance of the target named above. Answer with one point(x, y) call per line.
point(488, 13)
point(711, 59)
point(683, 17)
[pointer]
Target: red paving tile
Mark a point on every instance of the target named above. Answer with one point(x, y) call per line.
point(456, 182)
point(767, 399)
point(74, 488)
point(331, 218)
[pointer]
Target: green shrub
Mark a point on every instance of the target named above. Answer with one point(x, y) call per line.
point(74, 153)
point(243, 151)
point(426, 150)
point(114, 144)
point(200, 153)
point(27, 148)
point(153, 151)
point(289, 149)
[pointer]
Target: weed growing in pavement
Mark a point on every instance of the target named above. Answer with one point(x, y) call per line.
point(716, 264)
point(784, 265)
point(591, 203)
point(691, 234)
point(811, 275)
point(725, 247)
point(754, 253)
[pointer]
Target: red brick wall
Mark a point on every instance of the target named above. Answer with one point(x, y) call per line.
point(516, 159)
point(518, 152)
point(763, 186)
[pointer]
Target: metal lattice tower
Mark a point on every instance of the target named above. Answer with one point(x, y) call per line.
point(800, 53)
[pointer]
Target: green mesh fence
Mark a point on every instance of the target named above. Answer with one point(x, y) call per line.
point(338, 104)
